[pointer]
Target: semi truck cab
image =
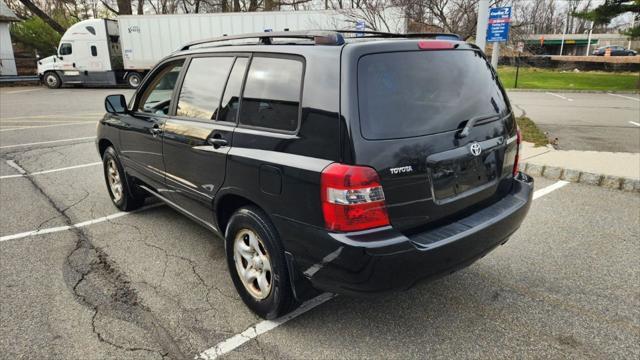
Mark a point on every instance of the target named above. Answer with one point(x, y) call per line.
point(88, 54)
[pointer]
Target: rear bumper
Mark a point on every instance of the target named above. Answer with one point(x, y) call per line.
point(384, 259)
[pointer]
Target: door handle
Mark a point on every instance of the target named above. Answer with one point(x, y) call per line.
point(155, 130)
point(217, 141)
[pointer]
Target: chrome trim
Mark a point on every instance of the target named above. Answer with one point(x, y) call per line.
point(208, 148)
point(512, 139)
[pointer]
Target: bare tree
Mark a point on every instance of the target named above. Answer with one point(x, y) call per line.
point(44, 16)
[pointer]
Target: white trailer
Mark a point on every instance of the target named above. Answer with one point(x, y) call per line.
point(108, 52)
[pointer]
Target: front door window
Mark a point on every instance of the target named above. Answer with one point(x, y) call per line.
point(156, 97)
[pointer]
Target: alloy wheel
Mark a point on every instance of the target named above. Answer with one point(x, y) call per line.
point(115, 182)
point(253, 264)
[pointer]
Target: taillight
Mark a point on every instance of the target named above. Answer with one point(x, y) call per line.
point(352, 198)
point(518, 144)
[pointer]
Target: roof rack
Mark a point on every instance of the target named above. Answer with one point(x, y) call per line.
point(383, 34)
point(320, 37)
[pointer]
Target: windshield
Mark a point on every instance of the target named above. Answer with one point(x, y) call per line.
point(407, 94)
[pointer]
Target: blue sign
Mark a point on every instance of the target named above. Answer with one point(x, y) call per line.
point(499, 20)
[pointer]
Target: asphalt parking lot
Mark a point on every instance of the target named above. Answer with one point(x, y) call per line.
point(78, 280)
point(583, 121)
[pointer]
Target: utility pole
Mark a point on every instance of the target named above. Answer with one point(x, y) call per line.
point(495, 54)
point(633, 23)
point(563, 34)
point(483, 22)
point(589, 39)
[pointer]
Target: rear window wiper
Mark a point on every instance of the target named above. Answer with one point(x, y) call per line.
point(472, 122)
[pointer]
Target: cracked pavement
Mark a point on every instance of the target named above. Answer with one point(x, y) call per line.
point(154, 285)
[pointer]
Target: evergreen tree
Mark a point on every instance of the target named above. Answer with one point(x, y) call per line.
point(603, 14)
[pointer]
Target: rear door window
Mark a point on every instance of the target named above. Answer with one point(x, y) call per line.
point(231, 98)
point(415, 93)
point(272, 92)
point(202, 87)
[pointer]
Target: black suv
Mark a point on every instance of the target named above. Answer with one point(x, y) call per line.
point(326, 162)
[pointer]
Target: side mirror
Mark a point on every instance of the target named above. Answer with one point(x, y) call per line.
point(60, 57)
point(115, 104)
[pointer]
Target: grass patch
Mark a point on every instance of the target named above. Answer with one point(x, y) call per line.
point(535, 78)
point(530, 132)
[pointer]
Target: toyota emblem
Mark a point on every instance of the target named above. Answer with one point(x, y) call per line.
point(475, 149)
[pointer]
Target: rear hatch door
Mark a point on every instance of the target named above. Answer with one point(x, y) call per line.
point(413, 107)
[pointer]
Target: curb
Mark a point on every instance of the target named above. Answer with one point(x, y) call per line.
point(582, 177)
point(570, 91)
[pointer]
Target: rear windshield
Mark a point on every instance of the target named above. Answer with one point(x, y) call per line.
point(414, 93)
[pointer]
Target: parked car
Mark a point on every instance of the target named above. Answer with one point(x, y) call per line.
point(615, 51)
point(326, 163)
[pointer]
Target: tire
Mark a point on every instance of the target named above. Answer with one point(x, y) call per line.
point(244, 224)
point(120, 192)
point(52, 80)
point(134, 79)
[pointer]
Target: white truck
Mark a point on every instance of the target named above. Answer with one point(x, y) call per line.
point(101, 52)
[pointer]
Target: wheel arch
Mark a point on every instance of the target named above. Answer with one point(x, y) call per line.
point(129, 181)
point(51, 71)
point(103, 144)
point(227, 202)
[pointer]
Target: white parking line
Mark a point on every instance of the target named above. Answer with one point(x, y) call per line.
point(634, 123)
point(260, 328)
point(66, 120)
point(17, 167)
point(546, 190)
point(625, 97)
point(52, 116)
point(25, 174)
point(264, 326)
point(48, 126)
point(75, 226)
point(560, 96)
point(46, 142)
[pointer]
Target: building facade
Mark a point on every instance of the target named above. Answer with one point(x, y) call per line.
point(7, 60)
point(575, 44)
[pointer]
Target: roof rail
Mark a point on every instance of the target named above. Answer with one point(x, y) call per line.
point(400, 35)
point(320, 37)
